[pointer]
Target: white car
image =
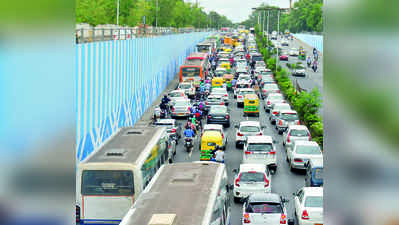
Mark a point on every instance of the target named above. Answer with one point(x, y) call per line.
point(247, 128)
point(301, 152)
point(244, 78)
point(269, 88)
point(308, 202)
point(216, 127)
point(176, 94)
point(181, 108)
point(188, 89)
point(273, 98)
point(221, 92)
point(252, 178)
point(286, 118)
point(260, 149)
point(293, 52)
point(241, 93)
point(220, 71)
point(240, 85)
point(265, 209)
point(275, 110)
point(296, 133)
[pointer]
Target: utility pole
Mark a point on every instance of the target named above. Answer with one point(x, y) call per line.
point(117, 14)
point(156, 15)
point(278, 34)
point(263, 30)
point(267, 35)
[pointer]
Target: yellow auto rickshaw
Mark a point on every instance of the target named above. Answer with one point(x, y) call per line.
point(228, 50)
point(209, 140)
point(226, 65)
point(217, 82)
point(227, 79)
point(251, 105)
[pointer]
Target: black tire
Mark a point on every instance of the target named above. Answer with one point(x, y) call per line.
point(237, 145)
point(280, 132)
point(237, 200)
point(227, 125)
point(287, 159)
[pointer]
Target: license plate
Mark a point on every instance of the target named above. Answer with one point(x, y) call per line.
point(180, 114)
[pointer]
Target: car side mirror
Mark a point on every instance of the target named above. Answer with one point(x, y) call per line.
point(291, 222)
point(235, 171)
point(294, 194)
point(236, 126)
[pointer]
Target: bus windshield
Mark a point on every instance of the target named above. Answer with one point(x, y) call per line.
point(107, 182)
point(190, 71)
point(203, 48)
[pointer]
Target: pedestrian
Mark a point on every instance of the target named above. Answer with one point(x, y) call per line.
point(314, 66)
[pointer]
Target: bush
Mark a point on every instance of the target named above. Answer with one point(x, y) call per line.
point(271, 64)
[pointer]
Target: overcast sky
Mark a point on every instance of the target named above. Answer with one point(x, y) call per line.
point(237, 10)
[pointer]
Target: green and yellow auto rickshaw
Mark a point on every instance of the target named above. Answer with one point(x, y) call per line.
point(209, 140)
point(227, 79)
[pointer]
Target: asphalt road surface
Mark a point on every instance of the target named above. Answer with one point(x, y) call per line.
point(284, 182)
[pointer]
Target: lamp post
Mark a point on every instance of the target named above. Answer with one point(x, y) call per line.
point(117, 14)
point(156, 15)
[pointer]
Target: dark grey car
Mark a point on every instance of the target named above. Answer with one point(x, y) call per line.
point(219, 114)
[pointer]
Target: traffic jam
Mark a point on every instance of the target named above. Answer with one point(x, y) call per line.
point(231, 150)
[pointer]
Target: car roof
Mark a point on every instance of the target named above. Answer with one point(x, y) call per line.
point(264, 197)
point(275, 94)
point(249, 123)
point(174, 91)
point(213, 126)
point(306, 143)
point(252, 167)
point(247, 89)
point(164, 121)
point(313, 191)
point(297, 127)
point(260, 139)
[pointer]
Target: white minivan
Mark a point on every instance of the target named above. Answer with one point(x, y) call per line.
point(260, 149)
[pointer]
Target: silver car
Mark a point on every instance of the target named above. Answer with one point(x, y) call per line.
point(301, 152)
point(181, 109)
point(299, 71)
point(188, 89)
point(273, 98)
point(295, 133)
point(265, 209)
point(221, 92)
point(269, 88)
point(275, 111)
point(286, 118)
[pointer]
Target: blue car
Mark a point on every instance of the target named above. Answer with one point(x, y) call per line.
point(314, 173)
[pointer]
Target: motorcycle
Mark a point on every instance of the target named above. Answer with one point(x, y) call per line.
point(188, 144)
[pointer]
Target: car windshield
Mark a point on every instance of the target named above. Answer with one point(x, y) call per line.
point(242, 85)
point(282, 107)
point(289, 116)
point(260, 207)
point(299, 67)
point(218, 110)
point(318, 173)
point(252, 177)
point(244, 78)
point(260, 147)
point(214, 99)
point(184, 86)
point(275, 97)
point(314, 201)
point(246, 92)
point(299, 133)
point(249, 129)
point(175, 94)
point(308, 150)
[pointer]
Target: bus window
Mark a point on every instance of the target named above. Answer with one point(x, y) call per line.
point(107, 182)
point(153, 161)
point(191, 71)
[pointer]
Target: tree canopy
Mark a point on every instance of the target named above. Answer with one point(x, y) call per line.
point(174, 13)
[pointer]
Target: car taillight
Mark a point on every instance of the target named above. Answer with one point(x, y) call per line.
point(275, 113)
point(227, 116)
point(280, 122)
point(239, 96)
point(283, 219)
point(173, 130)
point(260, 134)
point(246, 218)
point(221, 103)
point(206, 103)
point(310, 137)
point(278, 91)
point(266, 181)
point(209, 116)
point(305, 215)
point(288, 138)
point(299, 123)
point(264, 91)
point(173, 109)
point(272, 153)
point(237, 181)
point(268, 102)
point(247, 153)
point(298, 160)
point(222, 135)
point(189, 108)
point(225, 95)
point(239, 134)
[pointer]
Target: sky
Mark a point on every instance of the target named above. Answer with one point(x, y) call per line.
point(237, 10)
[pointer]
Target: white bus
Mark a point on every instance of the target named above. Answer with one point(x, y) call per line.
point(185, 194)
point(109, 180)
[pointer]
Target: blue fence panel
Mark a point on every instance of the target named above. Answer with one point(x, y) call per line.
point(118, 80)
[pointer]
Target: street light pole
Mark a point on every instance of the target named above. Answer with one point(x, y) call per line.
point(263, 30)
point(267, 35)
point(156, 15)
point(278, 34)
point(117, 14)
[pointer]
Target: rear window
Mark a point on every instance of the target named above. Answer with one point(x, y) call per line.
point(289, 116)
point(308, 150)
point(252, 177)
point(318, 173)
point(181, 103)
point(176, 94)
point(282, 107)
point(251, 102)
point(249, 129)
point(314, 201)
point(107, 182)
point(276, 97)
point(218, 110)
point(260, 147)
point(299, 133)
point(185, 86)
point(260, 207)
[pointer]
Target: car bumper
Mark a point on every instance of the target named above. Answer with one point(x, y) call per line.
point(218, 121)
point(299, 165)
point(267, 162)
point(177, 114)
point(238, 193)
point(307, 222)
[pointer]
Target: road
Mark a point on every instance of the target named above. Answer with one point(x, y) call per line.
point(284, 182)
point(312, 79)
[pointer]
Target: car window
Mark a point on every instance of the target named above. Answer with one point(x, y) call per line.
point(260, 147)
point(275, 97)
point(175, 94)
point(282, 107)
point(252, 177)
point(218, 110)
point(260, 207)
point(181, 103)
point(249, 129)
point(185, 86)
point(299, 133)
point(314, 201)
point(289, 116)
point(308, 150)
point(300, 196)
point(318, 173)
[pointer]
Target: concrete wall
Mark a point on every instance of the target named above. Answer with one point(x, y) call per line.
point(315, 41)
point(118, 80)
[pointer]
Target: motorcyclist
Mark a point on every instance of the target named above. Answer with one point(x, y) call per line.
point(165, 99)
point(189, 133)
point(218, 155)
point(309, 61)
